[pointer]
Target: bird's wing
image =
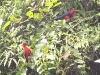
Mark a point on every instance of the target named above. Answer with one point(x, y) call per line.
point(63, 16)
point(24, 54)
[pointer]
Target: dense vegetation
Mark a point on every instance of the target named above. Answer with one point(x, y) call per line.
point(32, 21)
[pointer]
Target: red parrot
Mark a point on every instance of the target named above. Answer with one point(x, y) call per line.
point(66, 15)
point(26, 51)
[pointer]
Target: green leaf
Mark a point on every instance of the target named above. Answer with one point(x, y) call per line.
point(54, 1)
point(52, 33)
point(18, 73)
point(45, 49)
point(96, 47)
point(51, 57)
point(29, 14)
point(22, 66)
point(98, 14)
point(57, 4)
point(42, 71)
point(6, 25)
point(49, 4)
point(98, 2)
point(9, 63)
point(80, 4)
point(12, 17)
point(46, 9)
point(36, 16)
point(79, 61)
point(40, 67)
point(6, 58)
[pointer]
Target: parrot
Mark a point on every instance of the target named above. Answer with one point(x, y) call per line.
point(26, 51)
point(66, 15)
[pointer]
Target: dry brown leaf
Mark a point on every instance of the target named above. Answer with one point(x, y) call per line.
point(65, 55)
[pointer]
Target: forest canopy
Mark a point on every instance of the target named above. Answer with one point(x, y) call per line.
point(58, 47)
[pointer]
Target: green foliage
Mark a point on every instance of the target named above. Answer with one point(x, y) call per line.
point(47, 39)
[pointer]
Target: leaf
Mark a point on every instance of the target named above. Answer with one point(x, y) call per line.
point(1, 21)
point(6, 58)
point(51, 68)
point(12, 17)
point(36, 16)
point(54, 1)
point(22, 66)
point(46, 9)
point(51, 34)
point(57, 4)
point(42, 71)
point(43, 41)
point(15, 62)
point(98, 14)
point(38, 46)
point(6, 25)
point(2, 61)
point(39, 68)
point(98, 2)
point(29, 14)
point(66, 54)
point(96, 47)
point(18, 73)
point(44, 49)
point(9, 63)
point(51, 57)
point(79, 61)
point(49, 4)
point(80, 4)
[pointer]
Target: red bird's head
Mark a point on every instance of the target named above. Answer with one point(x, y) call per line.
point(72, 11)
point(24, 44)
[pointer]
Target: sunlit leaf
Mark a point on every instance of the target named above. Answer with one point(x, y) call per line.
point(51, 68)
point(98, 2)
point(52, 33)
point(43, 41)
point(79, 61)
point(96, 47)
point(98, 14)
point(39, 68)
point(6, 25)
point(9, 63)
point(57, 4)
point(36, 16)
point(51, 57)
point(39, 45)
point(49, 4)
point(1, 21)
point(29, 14)
point(42, 70)
point(54, 1)
point(46, 9)
point(12, 17)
